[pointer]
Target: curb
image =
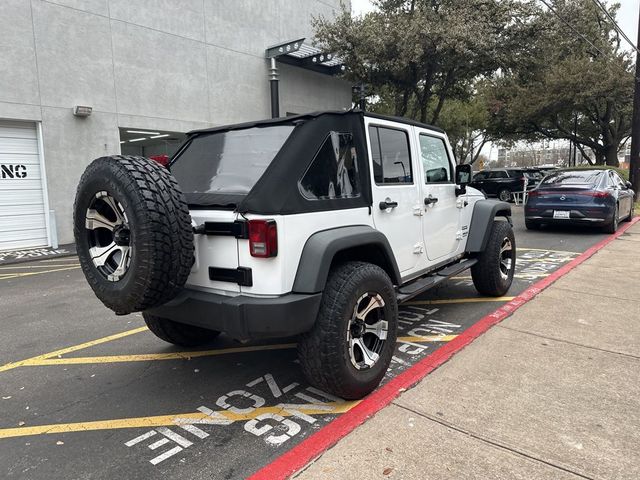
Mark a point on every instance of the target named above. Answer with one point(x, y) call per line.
point(299, 456)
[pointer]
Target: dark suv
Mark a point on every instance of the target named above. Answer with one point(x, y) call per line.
point(502, 182)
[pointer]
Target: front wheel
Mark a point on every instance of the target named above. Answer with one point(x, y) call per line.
point(531, 225)
point(631, 213)
point(504, 195)
point(493, 274)
point(350, 346)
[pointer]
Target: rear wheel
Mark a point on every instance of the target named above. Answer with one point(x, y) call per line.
point(631, 213)
point(350, 346)
point(531, 225)
point(493, 274)
point(613, 226)
point(504, 195)
point(179, 333)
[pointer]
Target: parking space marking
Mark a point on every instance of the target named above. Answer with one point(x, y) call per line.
point(47, 358)
point(28, 274)
point(331, 408)
point(73, 348)
point(23, 267)
point(150, 357)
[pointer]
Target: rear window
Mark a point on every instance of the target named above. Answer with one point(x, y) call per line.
point(228, 162)
point(573, 177)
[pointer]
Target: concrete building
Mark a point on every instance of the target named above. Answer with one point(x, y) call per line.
point(150, 70)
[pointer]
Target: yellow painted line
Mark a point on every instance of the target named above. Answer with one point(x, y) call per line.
point(546, 250)
point(74, 348)
point(169, 420)
point(70, 258)
point(14, 267)
point(146, 357)
point(460, 300)
point(16, 275)
point(151, 357)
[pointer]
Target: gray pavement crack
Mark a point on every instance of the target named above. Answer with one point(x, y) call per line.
point(495, 443)
point(555, 339)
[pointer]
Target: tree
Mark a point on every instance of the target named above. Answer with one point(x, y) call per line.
point(568, 87)
point(417, 54)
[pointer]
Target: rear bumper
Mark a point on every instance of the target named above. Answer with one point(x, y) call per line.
point(590, 215)
point(243, 317)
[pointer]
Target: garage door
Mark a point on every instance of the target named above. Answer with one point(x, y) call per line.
point(22, 200)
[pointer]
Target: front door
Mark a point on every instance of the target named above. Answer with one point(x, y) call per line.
point(442, 215)
point(396, 196)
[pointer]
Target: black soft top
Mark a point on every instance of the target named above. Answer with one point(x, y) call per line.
point(307, 116)
point(277, 191)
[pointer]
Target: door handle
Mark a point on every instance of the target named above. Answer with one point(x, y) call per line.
point(387, 204)
point(430, 200)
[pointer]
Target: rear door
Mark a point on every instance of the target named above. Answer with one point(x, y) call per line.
point(441, 220)
point(625, 196)
point(396, 207)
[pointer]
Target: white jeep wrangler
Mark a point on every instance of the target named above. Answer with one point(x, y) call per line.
point(316, 225)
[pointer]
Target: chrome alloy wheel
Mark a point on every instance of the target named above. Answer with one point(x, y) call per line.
point(367, 331)
point(506, 260)
point(109, 236)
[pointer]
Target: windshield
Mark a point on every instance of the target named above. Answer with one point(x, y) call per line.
point(228, 162)
point(572, 177)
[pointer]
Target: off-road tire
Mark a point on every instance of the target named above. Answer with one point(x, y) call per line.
point(161, 235)
point(179, 333)
point(486, 274)
point(323, 352)
point(504, 195)
point(531, 225)
point(613, 226)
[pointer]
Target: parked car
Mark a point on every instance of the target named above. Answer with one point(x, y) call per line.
point(502, 182)
point(591, 197)
point(317, 225)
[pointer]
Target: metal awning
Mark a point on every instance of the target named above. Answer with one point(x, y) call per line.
point(300, 54)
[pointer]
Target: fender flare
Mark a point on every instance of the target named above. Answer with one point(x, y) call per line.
point(321, 248)
point(484, 212)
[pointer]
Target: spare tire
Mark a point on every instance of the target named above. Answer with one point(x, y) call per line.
point(133, 233)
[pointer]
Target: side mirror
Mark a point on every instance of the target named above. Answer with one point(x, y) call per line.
point(463, 178)
point(628, 184)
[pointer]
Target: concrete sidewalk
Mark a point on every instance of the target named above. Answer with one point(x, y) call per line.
point(552, 392)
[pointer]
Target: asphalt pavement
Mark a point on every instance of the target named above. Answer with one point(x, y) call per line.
point(87, 394)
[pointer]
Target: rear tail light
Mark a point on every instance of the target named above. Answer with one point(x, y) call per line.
point(597, 194)
point(263, 238)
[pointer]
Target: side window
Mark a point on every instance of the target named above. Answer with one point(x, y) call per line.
point(480, 176)
point(618, 179)
point(498, 174)
point(333, 173)
point(390, 155)
point(435, 160)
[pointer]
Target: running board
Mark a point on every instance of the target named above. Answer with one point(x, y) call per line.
point(416, 287)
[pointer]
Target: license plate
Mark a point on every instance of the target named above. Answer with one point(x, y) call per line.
point(561, 214)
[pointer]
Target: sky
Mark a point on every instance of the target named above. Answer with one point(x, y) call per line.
point(627, 15)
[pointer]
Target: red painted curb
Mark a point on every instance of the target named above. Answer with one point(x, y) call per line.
point(296, 458)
